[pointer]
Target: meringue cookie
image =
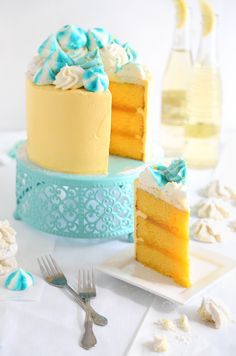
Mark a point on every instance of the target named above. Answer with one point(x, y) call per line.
point(218, 189)
point(8, 246)
point(19, 280)
point(7, 265)
point(160, 344)
point(213, 208)
point(207, 230)
point(214, 313)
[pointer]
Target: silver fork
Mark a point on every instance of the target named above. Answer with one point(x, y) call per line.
point(87, 291)
point(55, 277)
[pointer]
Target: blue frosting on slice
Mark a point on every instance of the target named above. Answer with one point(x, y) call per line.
point(95, 79)
point(90, 60)
point(98, 37)
point(131, 53)
point(49, 46)
point(71, 37)
point(175, 172)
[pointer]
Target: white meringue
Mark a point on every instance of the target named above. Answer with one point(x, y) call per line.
point(8, 246)
point(217, 189)
point(214, 313)
point(213, 208)
point(207, 230)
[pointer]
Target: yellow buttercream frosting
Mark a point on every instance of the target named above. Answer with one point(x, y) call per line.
point(68, 130)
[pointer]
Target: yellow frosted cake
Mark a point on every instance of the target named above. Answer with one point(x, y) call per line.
point(162, 221)
point(86, 97)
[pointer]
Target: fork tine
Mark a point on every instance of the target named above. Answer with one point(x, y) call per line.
point(88, 278)
point(93, 280)
point(79, 280)
point(46, 266)
point(42, 269)
point(50, 264)
point(57, 268)
point(84, 279)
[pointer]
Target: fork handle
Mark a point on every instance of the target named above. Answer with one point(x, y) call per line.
point(97, 318)
point(88, 339)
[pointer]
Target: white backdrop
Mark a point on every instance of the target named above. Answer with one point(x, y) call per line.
point(146, 24)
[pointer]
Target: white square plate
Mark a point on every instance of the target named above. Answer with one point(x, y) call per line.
point(207, 267)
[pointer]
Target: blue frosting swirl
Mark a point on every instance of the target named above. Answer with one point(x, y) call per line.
point(175, 172)
point(71, 37)
point(95, 79)
point(19, 280)
point(98, 37)
point(90, 60)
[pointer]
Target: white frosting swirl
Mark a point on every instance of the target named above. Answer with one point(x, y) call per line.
point(173, 193)
point(131, 73)
point(213, 208)
point(69, 77)
point(207, 230)
point(214, 313)
point(8, 246)
point(113, 57)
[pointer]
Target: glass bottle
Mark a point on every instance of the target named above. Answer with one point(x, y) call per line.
point(174, 91)
point(202, 132)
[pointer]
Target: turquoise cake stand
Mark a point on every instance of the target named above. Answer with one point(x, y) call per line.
point(79, 206)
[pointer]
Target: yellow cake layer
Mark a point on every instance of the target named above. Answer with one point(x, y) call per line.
point(163, 213)
point(68, 130)
point(126, 146)
point(157, 236)
point(157, 260)
point(127, 96)
point(130, 123)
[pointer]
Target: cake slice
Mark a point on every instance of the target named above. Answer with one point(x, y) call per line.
point(162, 221)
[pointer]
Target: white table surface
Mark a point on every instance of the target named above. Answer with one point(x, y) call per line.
point(53, 325)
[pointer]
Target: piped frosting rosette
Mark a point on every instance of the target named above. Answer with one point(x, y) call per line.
point(95, 52)
point(8, 247)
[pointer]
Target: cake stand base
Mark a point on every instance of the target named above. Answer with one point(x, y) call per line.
point(78, 206)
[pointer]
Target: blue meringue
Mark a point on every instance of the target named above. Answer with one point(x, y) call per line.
point(71, 37)
point(98, 38)
point(95, 79)
point(19, 280)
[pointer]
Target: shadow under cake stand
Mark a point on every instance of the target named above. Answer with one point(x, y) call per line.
point(73, 205)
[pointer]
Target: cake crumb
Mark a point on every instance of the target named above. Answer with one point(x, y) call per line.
point(183, 323)
point(160, 344)
point(166, 324)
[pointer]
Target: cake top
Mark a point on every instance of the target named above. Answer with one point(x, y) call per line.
point(75, 58)
point(166, 183)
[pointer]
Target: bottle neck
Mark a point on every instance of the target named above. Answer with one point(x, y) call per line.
point(207, 55)
point(181, 39)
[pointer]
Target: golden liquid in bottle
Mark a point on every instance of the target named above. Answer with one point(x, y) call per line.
point(203, 127)
point(174, 102)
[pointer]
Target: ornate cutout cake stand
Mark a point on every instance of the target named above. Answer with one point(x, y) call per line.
point(74, 205)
